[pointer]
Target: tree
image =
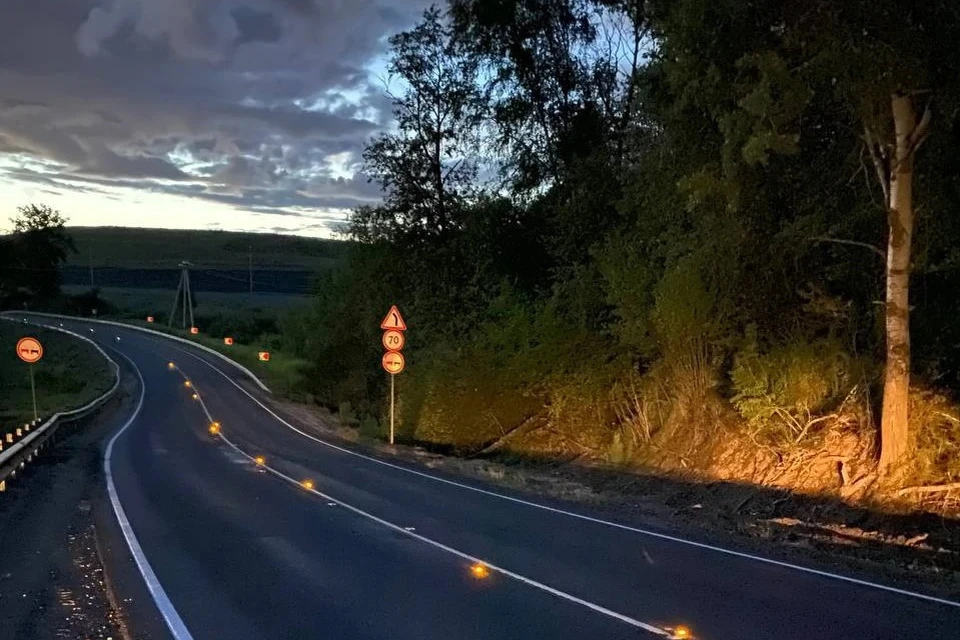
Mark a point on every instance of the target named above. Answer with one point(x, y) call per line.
point(427, 165)
point(785, 71)
point(35, 250)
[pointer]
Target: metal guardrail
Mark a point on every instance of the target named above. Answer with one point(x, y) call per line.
point(15, 455)
point(170, 336)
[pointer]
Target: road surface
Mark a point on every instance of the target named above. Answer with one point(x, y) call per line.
point(383, 551)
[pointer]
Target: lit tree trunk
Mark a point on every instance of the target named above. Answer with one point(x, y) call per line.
point(894, 428)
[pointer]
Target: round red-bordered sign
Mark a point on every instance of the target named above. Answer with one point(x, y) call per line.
point(393, 340)
point(29, 349)
point(393, 362)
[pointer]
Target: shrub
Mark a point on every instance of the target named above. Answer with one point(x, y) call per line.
point(935, 422)
point(782, 392)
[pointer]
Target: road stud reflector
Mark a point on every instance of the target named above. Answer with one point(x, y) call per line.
point(260, 460)
point(479, 571)
point(307, 484)
point(214, 428)
point(187, 384)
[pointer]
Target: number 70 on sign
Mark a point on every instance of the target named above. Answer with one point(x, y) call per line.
point(393, 340)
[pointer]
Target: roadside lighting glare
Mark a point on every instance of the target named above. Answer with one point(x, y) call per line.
point(682, 633)
point(195, 396)
point(171, 366)
point(187, 384)
point(307, 484)
point(214, 428)
point(479, 571)
point(260, 460)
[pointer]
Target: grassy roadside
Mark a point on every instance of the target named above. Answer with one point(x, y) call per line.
point(283, 373)
point(71, 374)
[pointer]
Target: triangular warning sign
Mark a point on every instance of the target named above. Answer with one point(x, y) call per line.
point(394, 320)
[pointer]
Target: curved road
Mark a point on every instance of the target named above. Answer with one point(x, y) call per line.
point(383, 551)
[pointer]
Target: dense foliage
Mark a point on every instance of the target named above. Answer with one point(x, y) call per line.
point(31, 256)
point(608, 218)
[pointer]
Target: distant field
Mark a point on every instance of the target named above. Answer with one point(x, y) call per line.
point(142, 302)
point(165, 248)
point(71, 374)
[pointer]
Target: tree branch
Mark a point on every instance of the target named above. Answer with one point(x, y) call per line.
point(855, 243)
point(922, 130)
point(879, 163)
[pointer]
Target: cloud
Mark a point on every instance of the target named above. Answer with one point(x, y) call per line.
point(262, 104)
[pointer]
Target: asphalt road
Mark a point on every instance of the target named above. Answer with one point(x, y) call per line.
point(377, 551)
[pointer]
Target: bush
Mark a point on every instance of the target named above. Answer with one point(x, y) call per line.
point(935, 422)
point(781, 392)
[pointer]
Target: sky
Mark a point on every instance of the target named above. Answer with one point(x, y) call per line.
point(206, 114)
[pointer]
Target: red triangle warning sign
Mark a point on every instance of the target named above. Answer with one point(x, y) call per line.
point(394, 320)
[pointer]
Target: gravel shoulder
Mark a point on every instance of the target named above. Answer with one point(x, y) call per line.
point(64, 569)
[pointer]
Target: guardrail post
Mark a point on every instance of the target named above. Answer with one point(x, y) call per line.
point(9, 438)
point(19, 432)
point(3, 486)
point(26, 427)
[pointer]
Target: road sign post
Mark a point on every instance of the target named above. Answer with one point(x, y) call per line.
point(393, 361)
point(30, 351)
point(33, 391)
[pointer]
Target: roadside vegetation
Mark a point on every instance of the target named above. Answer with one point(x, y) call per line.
point(658, 235)
point(70, 375)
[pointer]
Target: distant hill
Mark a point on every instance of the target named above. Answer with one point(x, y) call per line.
point(128, 248)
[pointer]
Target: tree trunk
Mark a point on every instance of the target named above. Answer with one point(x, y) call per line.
point(894, 429)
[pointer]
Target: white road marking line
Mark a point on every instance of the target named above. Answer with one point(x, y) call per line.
point(166, 608)
point(409, 531)
point(580, 516)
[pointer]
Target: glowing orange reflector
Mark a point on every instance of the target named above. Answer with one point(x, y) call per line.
point(214, 428)
point(228, 341)
point(260, 460)
point(149, 318)
point(187, 384)
point(307, 484)
point(682, 633)
point(479, 571)
point(194, 330)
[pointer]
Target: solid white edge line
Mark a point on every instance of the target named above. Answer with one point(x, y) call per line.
point(170, 616)
point(439, 545)
point(572, 514)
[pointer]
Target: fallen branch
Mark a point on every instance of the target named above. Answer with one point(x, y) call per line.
point(510, 433)
point(935, 488)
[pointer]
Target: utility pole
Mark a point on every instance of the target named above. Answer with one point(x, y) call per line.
point(250, 263)
point(184, 295)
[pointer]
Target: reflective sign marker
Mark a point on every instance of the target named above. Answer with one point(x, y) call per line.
point(393, 340)
point(29, 350)
point(393, 362)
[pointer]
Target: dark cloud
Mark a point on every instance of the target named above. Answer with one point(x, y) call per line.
point(261, 104)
